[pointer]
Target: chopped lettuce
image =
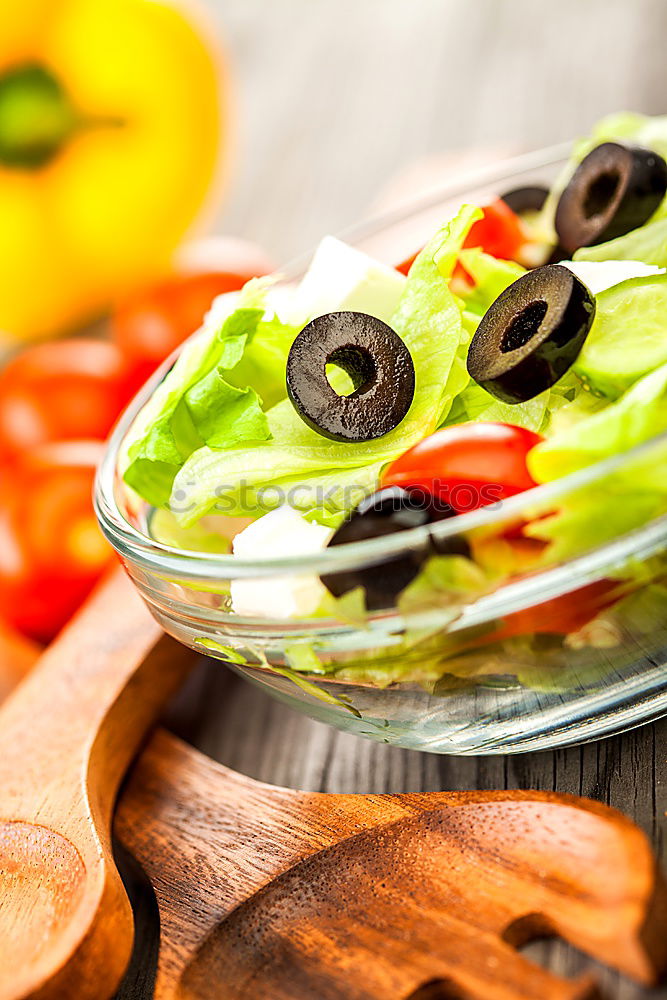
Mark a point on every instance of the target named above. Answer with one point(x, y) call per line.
point(262, 365)
point(491, 277)
point(209, 535)
point(325, 478)
point(628, 338)
point(198, 403)
point(624, 499)
point(639, 415)
point(647, 243)
point(475, 403)
point(566, 409)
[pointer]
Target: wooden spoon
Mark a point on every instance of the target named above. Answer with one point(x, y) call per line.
point(273, 894)
point(67, 735)
point(17, 657)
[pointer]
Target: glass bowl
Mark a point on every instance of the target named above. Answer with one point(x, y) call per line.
point(458, 668)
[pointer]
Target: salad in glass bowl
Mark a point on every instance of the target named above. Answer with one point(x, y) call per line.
point(423, 495)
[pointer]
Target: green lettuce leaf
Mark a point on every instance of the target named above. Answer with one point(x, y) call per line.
point(647, 243)
point(491, 277)
point(205, 398)
point(627, 497)
point(476, 404)
point(264, 360)
point(628, 338)
point(639, 415)
point(325, 478)
point(207, 536)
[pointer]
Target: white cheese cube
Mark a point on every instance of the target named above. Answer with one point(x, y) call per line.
point(341, 277)
point(281, 532)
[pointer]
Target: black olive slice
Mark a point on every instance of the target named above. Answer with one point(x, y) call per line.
point(531, 334)
point(526, 199)
point(383, 513)
point(613, 190)
point(375, 358)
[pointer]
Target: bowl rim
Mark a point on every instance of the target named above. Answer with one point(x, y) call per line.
point(191, 565)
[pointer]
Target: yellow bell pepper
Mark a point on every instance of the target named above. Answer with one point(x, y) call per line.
point(111, 127)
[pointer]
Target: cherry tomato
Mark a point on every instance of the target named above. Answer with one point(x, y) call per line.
point(51, 548)
point(499, 233)
point(149, 326)
point(467, 466)
point(62, 390)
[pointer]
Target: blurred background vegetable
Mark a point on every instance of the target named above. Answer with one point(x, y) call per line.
point(63, 390)
point(51, 549)
point(152, 323)
point(112, 128)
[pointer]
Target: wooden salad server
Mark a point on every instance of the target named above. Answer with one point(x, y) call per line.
point(273, 894)
point(67, 735)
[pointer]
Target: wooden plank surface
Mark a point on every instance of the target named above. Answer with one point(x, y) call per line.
point(335, 97)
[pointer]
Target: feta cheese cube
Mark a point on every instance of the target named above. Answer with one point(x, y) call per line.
point(281, 532)
point(341, 277)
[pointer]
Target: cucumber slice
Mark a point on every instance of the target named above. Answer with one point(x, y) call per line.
point(628, 338)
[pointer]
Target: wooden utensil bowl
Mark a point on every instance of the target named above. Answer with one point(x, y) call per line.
point(34, 854)
point(284, 895)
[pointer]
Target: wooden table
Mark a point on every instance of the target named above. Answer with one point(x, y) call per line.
point(335, 97)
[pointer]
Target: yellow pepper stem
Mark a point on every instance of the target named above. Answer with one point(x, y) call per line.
point(36, 117)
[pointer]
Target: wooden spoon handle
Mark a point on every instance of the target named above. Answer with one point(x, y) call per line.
point(55, 722)
point(17, 657)
point(66, 737)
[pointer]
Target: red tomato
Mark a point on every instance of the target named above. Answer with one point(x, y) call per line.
point(62, 390)
point(51, 548)
point(467, 466)
point(405, 265)
point(149, 326)
point(561, 615)
point(499, 233)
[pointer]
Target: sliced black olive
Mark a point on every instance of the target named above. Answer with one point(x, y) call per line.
point(526, 199)
point(375, 358)
point(383, 513)
point(613, 190)
point(531, 334)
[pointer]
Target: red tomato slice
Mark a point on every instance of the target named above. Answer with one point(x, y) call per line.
point(405, 265)
point(152, 324)
point(51, 549)
point(467, 466)
point(63, 390)
point(499, 233)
